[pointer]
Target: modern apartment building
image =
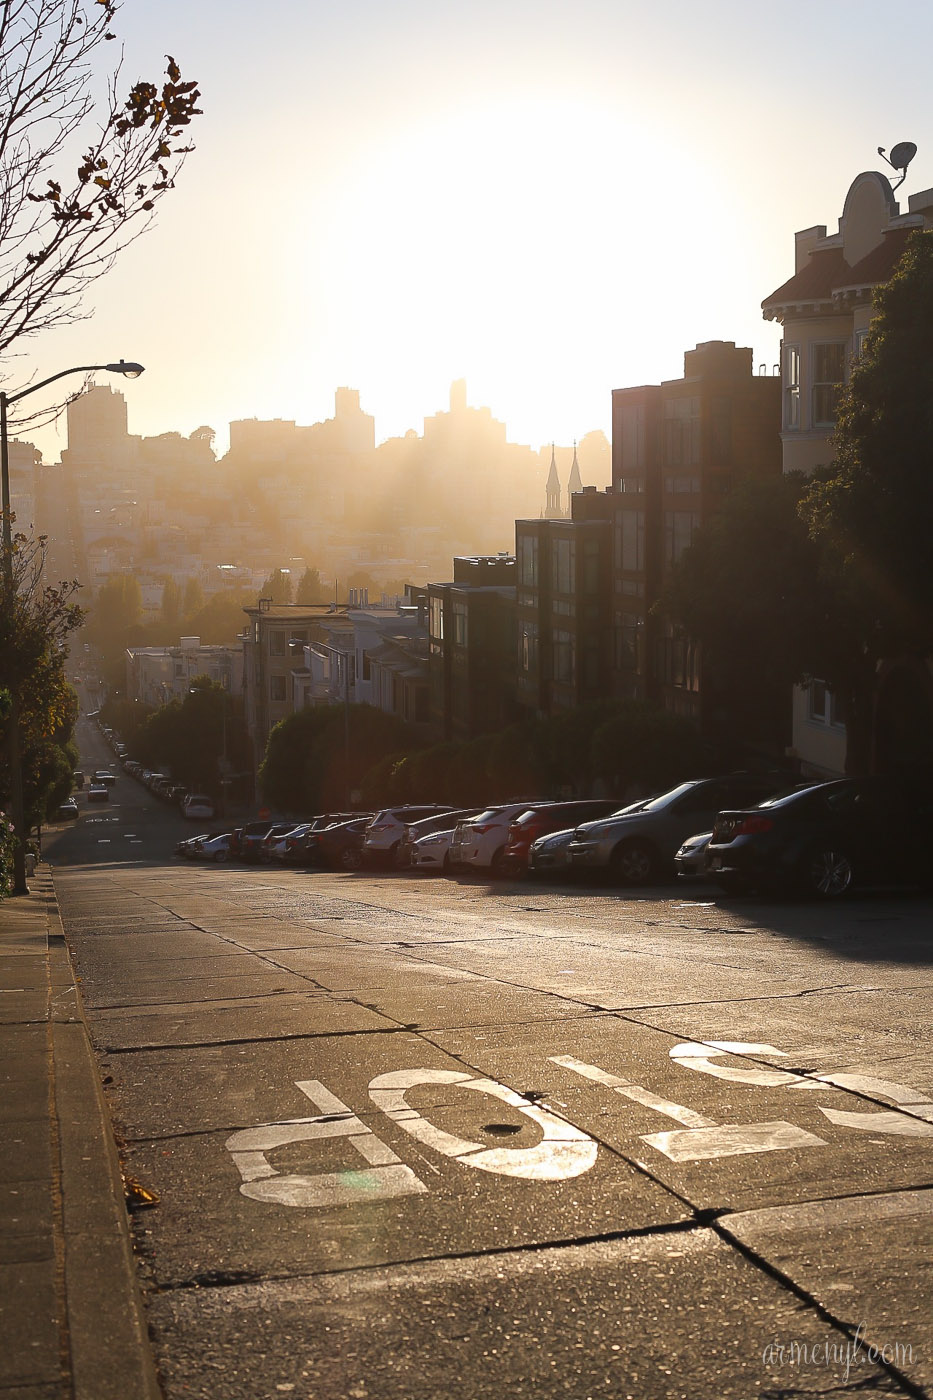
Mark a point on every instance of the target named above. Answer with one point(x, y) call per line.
point(563, 605)
point(471, 652)
point(677, 448)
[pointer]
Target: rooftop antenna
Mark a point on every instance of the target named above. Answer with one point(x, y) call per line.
point(899, 159)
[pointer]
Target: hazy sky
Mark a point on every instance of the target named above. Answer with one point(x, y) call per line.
point(550, 199)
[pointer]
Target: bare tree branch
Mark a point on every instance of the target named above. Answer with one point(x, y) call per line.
point(64, 220)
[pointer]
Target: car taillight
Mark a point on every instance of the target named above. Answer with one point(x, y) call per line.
point(751, 826)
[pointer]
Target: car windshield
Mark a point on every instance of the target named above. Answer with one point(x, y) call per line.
point(660, 804)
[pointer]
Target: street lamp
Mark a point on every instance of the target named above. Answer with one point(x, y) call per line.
point(130, 370)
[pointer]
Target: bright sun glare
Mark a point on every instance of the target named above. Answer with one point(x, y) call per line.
point(457, 251)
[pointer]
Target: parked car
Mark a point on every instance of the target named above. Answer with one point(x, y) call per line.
point(67, 809)
point(215, 848)
point(78, 778)
point(690, 859)
point(387, 828)
point(432, 853)
point(548, 855)
point(637, 844)
point(275, 837)
point(429, 826)
point(98, 792)
point(545, 817)
point(302, 846)
point(104, 775)
point(187, 846)
point(249, 845)
point(340, 845)
point(479, 842)
point(198, 807)
point(827, 839)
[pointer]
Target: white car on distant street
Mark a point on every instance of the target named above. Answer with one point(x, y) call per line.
point(198, 806)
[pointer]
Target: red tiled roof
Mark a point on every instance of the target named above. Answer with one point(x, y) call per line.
point(814, 281)
point(827, 271)
point(879, 264)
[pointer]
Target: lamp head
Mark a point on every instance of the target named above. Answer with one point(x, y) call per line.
point(128, 368)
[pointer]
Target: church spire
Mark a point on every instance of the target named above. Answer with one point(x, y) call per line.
point(552, 510)
point(575, 481)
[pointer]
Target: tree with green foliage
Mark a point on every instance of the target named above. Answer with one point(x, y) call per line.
point(278, 586)
point(36, 621)
point(311, 588)
point(188, 737)
point(193, 600)
point(317, 756)
point(871, 515)
point(753, 591)
point(171, 604)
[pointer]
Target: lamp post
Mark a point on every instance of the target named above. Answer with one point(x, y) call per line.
point(131, 370)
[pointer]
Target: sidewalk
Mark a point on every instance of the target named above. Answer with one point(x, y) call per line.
point(71, 1319)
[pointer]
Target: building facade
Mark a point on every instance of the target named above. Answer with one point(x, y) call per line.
point(563, 606)
point(677, 449)
point(825, 310)
point(471, 651)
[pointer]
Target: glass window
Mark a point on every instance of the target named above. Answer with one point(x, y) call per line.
point(633, 437)
point(679, 526)
point(563, 560)
point(630, 540)
point(720, 430)
point(682, 432)
point(460, 624)
point(563, 656)
point(528, 560)
point(791, 386)
point(828, 374)
point(626, 641)
point(528, 653)
point(277, 688)
point(436, 619)
point(277, 643)
point(633, 485)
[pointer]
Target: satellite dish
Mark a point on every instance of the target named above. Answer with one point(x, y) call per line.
point(902, 154)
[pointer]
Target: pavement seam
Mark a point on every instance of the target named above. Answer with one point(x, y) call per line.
point(720, 1228)
point(676, 1227)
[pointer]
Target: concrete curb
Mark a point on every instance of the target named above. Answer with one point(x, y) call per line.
point(104, 1317)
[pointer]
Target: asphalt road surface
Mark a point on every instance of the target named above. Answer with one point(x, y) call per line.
point(440, 1138)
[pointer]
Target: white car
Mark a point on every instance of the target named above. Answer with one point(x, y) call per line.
point(216, 848)
point(387, 828)
point(198, 807)
point(432, 852)
point(479, 842)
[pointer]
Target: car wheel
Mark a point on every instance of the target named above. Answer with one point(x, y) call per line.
point(635, 863)
point(827, 872)
point(350, 858)
point(220, 856)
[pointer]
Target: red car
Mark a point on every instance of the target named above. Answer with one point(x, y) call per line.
point(546, 817)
